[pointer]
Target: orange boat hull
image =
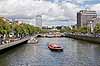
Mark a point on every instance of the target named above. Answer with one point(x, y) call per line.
point(55, 48)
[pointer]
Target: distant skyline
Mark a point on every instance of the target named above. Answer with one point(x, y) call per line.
point(48, 23)
point(51, 10)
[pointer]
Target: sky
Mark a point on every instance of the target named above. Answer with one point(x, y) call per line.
point(52, 11)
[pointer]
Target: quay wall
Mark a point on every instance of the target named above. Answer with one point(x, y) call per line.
point(84, 37)
point(11, 44)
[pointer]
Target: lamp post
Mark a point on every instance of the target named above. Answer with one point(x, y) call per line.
point(91, 27)
point(12, 32)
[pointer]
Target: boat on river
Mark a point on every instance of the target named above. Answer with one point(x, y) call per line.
point(55, 47)
point(33, 41)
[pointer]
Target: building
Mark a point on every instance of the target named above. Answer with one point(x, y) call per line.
point(18, 22)
point(84, 17)
point(39, 21)
point(95, 21)
point(5, 19)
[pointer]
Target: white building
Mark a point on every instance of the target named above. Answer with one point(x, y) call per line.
point(92, 23)
point(39, 21)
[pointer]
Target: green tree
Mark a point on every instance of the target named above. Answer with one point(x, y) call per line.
point(74, 30)
point(44, 31)
point(65, 29)
point(84, 29)
point(97, 28)
point(18, 29)
point(5, 27)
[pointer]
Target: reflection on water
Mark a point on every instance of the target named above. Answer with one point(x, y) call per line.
point(76, 53)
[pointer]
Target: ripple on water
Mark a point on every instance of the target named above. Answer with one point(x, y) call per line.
point(76, 53)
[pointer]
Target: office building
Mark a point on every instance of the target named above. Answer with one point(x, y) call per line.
point(39, 21)
point(84, 17)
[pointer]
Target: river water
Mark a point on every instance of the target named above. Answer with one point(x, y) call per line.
point(76, 53)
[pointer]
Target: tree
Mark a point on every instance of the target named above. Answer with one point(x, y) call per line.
point(17, 29)
point(65, 29)
point(5, 27)
point(44, 31)
point(84, 29)
point(97, 28)
point(74, 30)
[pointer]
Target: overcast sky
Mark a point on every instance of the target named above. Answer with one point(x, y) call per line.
point(49, 9)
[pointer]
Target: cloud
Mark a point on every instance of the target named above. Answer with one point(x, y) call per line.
point(70, 10)
point(31, 8)
point(96, 7)
point(82, 1)
point(54, 10)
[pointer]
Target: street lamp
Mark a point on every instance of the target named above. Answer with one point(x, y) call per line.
point(12, 32)
point(91, 27)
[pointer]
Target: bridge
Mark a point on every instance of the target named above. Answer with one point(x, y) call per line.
point(51, 35)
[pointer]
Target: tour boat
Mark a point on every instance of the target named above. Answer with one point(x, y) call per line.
point(55, 47)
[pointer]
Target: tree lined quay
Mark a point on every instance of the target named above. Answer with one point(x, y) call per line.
point(12, 31)
point(84, 33)
point(84, 30)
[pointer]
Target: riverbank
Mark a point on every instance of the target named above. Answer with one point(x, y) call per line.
point(12, 44)
point(75, 54)
point(84, 37)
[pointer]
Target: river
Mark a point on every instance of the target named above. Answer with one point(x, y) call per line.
point(76, 53)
